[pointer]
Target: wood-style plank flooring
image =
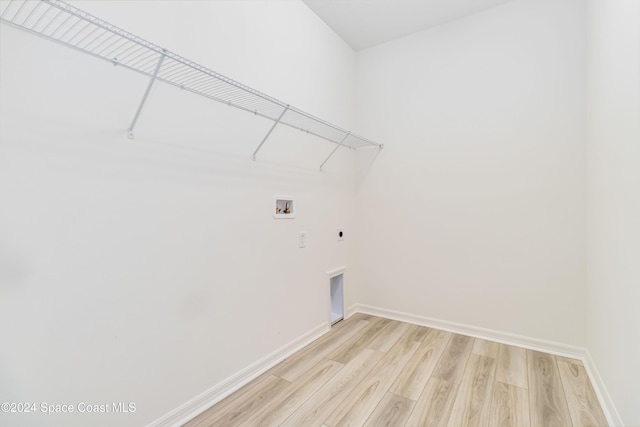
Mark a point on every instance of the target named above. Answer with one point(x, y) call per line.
point(370, 371)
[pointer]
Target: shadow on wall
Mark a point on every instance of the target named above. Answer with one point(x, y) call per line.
point(365, 161)
point(13, 270)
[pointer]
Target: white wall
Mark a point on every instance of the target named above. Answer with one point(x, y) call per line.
point(148, 271)
point(475, 210)
point(614, 199)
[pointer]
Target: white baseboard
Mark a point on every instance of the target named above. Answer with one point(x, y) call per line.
point(573, 352)
point(551, 347)
point(208, 398)
point(610, 411)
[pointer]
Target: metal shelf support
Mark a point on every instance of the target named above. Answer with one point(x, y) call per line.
point(334, 150)
point(269, 133)
point(74, 28)
point(131, 132)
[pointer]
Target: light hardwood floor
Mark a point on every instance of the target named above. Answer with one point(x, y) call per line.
point(370, 371)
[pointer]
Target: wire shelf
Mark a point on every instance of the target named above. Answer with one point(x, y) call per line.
point(65, 24)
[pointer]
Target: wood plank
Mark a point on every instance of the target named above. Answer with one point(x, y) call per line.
point(393, 410)
point(473, 401)
point(249, 399)
point(567, 359)
point(413, 378)
point(355, 345)
point(296, 365)
point(584, 406)
point(361, 402)
point(451, 365)
point(317, 408)
point(388, 336)
point(512, 366)
point(294, 395)
point(510, 406)
point(418, 333)
point(427, 378)
point(485, 348)
point(433, 407)
point(361, 316)
point(547, 402)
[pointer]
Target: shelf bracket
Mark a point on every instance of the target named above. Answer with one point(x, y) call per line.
point(335, 149)
point(269, 133)
point(70, 26)
point(130, 132)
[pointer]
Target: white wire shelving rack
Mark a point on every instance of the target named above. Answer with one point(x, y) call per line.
point(70, 26)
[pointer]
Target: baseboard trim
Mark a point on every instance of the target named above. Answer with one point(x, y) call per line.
point(208, 398)
point(610, 411)
point(475, 331)
point(558, 349)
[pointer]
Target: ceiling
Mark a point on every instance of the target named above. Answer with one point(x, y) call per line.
point(366, 23)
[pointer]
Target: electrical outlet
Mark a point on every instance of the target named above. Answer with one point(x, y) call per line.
point(302, 239)
point(340, 234)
